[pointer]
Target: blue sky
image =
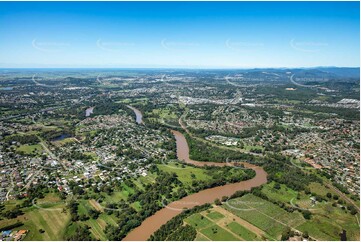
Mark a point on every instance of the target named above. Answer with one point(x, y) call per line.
point(174, 34)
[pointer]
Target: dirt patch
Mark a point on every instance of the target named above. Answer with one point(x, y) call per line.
point(96, 205)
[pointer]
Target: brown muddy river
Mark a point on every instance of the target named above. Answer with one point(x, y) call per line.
point(154, 222)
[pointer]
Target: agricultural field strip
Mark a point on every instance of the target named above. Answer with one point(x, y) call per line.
point(201, 232)
point(220, 224)
point(274, 219)
point(241, 221)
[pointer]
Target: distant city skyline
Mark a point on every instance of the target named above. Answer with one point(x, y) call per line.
point(179, 34)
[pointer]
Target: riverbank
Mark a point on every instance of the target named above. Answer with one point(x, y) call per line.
point(154, 222)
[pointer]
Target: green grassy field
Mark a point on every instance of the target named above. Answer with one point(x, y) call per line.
point(98, 225)
point(214, 225)
point(327, 221)
point(64, 141)
point(321, 229)
point(140, 101)
point(144, 180)
point(201, 237)
point(198, 221)
point(48, 217)
point(52, 216)
point(263, 214)
point(242, 231)
point(117, 196)
point(249, 147)
point(319, 189)
point(126, 101)
point(185, 174)
point(216, 233)
point(215, 215)
point(164, 113)
point(284, 194)
point(97, 228)
point(31, 149)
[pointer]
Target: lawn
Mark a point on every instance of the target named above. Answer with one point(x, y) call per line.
point(30, 149)
point(215, 215)
point(284, 194)
point(144, 180)
point(118, 195)
point(198, 221)
point(126, 100)
point(201, 237)
point(164, 113)
point(242, 231)
point(249, 147)
point(185, 172)
point(319, 189)
point(140, 101)
point(83, 207)
point(64, 141)
point(216, 233)
point(321, 229)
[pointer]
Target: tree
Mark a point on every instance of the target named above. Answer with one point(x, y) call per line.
point(224, 198)
point(94, 214)
point(218, 202)
point(352, 209)
point(277, 186)
point(306, 214)
point(286, 234)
